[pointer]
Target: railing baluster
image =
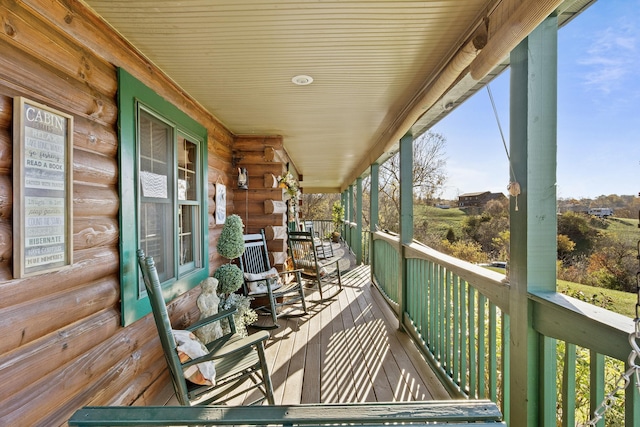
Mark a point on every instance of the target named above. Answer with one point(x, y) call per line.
point(569, 386)
point(506, 373)
point(596, 382)
point(424, 315)
point(447, 322)
point(464, 334)
point(493, 356)
point(473, 360)
point(547, 383)
point(433, 306)
point(456, 330)
point(482, 361)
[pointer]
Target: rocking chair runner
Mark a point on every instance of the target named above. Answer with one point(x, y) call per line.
point(303, 250)
point(236, 359)
point(280, 291)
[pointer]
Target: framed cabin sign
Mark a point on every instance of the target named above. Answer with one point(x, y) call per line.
point(42, 188)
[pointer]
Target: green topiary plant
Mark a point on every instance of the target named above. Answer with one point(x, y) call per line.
point(231, 243)
point(229, 278)
point(337, 216)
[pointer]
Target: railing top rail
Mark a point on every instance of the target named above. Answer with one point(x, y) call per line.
point(390, 238)
point(491, 284)
point(560, 316)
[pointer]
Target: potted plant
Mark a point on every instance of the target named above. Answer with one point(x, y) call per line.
point(337, 216)
point(230, 278)
point(231, 246)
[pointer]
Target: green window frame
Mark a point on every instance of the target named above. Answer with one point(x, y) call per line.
point(160, 144)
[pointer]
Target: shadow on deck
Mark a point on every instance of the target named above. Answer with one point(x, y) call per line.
point(348, 349)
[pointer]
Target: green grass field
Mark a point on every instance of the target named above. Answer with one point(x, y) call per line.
point(621, 302)
point(440, 220)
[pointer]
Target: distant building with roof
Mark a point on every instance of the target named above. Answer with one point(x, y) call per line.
point(476, 202)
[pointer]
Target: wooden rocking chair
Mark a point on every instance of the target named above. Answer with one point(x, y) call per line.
point(324, 248)
point(303, 250)
point(235, 359)
point(278, 289)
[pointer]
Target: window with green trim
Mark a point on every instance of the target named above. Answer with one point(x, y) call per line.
point(163, 186)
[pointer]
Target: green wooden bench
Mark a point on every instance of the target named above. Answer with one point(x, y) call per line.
point(440, 413)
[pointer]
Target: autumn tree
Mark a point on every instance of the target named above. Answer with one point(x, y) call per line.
point(487, 229)
point(612, 265)
point(317, 206)
point(429, 176)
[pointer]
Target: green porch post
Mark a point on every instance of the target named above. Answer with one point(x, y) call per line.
point(374, 200)
point(406, 215)
point(533, 221)
point(344, 200)
point(373, 212)
point(357, 242)
point(350, 216)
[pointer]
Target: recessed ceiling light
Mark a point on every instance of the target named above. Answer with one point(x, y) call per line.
point(302, 80)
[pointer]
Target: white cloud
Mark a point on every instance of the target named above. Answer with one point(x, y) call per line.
point(611, 58)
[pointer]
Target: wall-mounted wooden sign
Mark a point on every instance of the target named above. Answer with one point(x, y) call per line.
point(42, 188)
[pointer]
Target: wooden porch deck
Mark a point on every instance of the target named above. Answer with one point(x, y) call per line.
point(348, 349)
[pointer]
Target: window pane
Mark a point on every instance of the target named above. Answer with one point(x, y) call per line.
point(155, 236)
point(156, 194)
point(187, 161)
point(187, 237)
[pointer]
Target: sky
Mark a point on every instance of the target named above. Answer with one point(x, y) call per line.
point(598, 113)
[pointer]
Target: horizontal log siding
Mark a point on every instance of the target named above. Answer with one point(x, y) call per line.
point(63, 346)
point(250, 204)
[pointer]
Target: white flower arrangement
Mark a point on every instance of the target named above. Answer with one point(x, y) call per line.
point(245, 315)
point(290, 185)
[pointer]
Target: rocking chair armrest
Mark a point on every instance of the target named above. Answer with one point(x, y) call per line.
point(215, 318)
point(298, 270)
point(336, 262)
point(240, 344)
point(228, 344)
point(297, 274)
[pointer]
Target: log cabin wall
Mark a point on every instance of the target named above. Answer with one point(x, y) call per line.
point(264, 158)
point(63, 345)
point(262, 206)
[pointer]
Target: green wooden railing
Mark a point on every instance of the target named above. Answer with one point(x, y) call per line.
point(323, 227)
point(350, 237)
point(458, 315)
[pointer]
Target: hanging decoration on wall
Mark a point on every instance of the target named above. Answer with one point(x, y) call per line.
point(292, 194)
point(221, 203)
point(42, 189)
point(243, 179)
point(290, 186)
point(243, 184)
